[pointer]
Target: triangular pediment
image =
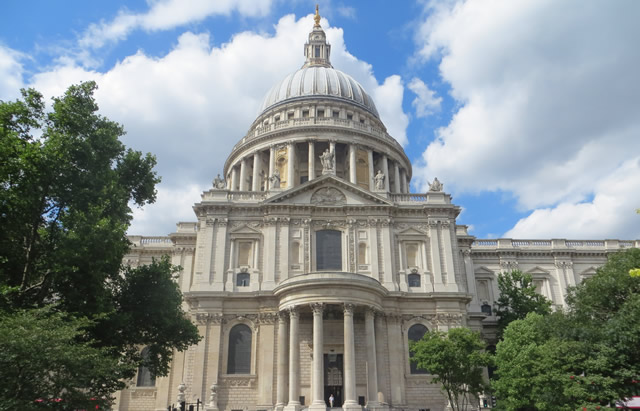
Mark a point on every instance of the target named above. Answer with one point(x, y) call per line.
point(412, 231)
point(589, 272)
point(537, 270)
point(244, 229)
point(329, 191)
point(484, 270)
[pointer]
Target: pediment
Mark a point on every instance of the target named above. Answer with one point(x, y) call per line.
point(537, 271)
point(330, 191)
point(244, 229)
point(484, 271)
point(412, 232)
point(589, 272)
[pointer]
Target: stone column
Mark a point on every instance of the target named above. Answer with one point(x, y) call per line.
point(396, 177)
point(332, 147)
point(294, 362)
point(350, 402)
point(312, 160)
point(385, 170)
point(353, 179)
point(291, 158)
point(372, 368)
point(256, 172)
point(318, 360)
point(283, 380)
point(403, 181)
point(243, 175)
point(234, 178)
point(371, 170)
point(272, 164)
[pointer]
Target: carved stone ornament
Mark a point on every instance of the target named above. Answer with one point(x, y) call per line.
point(328, 196)
point(213, 396)
point(436, 186)
point(218, 183)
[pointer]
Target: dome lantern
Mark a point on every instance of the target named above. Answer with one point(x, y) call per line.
point(317, 50)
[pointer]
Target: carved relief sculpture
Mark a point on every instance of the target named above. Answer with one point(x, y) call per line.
point(379, 180)
point(328, 196)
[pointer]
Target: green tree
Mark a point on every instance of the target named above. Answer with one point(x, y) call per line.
point(47, 356)
point(457, 359)
point(518, 297)
point(584, 358)
point(67, 183)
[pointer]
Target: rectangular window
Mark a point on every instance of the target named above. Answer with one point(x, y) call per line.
point(245, 249)
point(336, 114)
point(290, 115)
point(320, 113)
point(349, 116)
point(329, 250)
point(305, 114)
point(317, 51)
point(276, 118)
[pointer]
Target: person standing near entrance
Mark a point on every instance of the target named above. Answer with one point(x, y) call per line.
point(331, 400)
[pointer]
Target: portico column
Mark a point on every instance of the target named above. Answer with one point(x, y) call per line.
point(312, 160)
point(291, 158)
point(385, 170)
point(372, 368)
point(282, 362)
point(255, 186)
point(318, 359)
point(396, 177)
point(234, 178)
point(243, 175)
point(352, 164)
point(350, 402)
point(294, 362)
point(371, 170)
point(403, 181)
point(272, 164)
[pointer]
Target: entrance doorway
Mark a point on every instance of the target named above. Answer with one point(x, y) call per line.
point(333, 380)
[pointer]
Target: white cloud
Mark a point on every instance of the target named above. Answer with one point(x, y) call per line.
point(611, 214)
point(547, 95)
point(167, 14)
point(426, 103)
point(11, 72)
point(190, 106)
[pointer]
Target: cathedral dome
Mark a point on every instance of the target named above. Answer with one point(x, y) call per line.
point(319, 81)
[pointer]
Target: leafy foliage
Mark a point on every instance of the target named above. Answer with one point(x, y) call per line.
point(46, 358)
point(456, 358)
point(66, 186)
point(586, 358)
point(518, 297)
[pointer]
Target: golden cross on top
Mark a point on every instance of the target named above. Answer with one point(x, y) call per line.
point(317, 17)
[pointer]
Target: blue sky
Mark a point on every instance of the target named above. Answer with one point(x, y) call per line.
point(526, 110)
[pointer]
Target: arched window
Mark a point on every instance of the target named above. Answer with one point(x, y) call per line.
point(329, 250)
point(239, 350)
point(414, 280)
point(416, 332)
point(145, 378)
point(242, 279)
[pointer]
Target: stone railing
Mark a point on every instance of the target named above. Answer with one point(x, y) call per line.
point(555, 244)
point(408, 198)
point(247, 195)
point(319, 122)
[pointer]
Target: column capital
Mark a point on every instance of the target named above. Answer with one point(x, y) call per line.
point(348, 309)
point(283, 316)
point(294, 312)
point(317, 308)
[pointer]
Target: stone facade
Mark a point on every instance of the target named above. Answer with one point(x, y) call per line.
point(310, 262)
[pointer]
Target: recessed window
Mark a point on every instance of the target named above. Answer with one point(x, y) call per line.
point(412, 255)
point(276, 118)
point(361, 121)
point(362, 253)
point(239, 360)
point(290, 115)
point(317, 51)
point(414, 280)
point(349, 116)
point(295, 252)
point(305, 114)
point(416, 332)
point(320, 113)
point(329, 250)
point(243, 279)
point(336, 114)
point(245, 249)
point(145, 379)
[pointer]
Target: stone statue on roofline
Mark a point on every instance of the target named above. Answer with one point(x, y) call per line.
point(436, 186)
point(219, 183)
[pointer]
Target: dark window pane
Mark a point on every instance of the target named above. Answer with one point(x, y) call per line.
point(239, 350)
point(414, 280)
point(242, 280)
point(145, 379)
point(329, 250)
point(416, 332)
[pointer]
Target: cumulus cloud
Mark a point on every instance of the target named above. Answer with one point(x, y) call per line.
point(167, 14)
point(547, 101)
point(190, 106)
point(11, 72)
point(426, 102)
